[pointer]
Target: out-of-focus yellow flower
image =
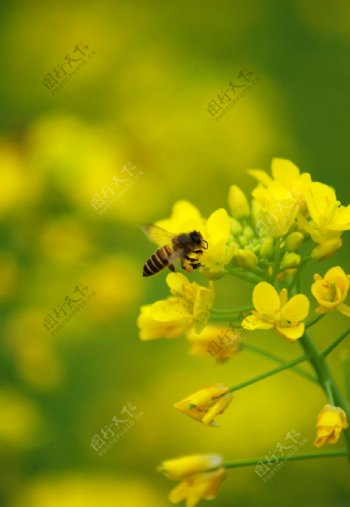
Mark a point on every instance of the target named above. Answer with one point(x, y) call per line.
point(206, 404)
point(200, 476)
point(329, 218)
point(198, 486)
point(277, 210)
point(189, 306)
point(285, 175)
point(185, 466)
point(330, 423)
point(274, 311)
point(76, 489)
point(222, 343)
point(117, 282)
point(331, 291)
point(21, 424)
point(216, 231)
point(238, 202)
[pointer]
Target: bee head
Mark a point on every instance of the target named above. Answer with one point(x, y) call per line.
point(197, 240)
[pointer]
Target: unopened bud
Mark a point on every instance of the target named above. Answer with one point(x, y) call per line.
point(326, 249)
point(294, 241)
point(267, 248)
point(238, 202)
point(249, 232)
point(246, 259)
point(290, 260)
point(236, 227)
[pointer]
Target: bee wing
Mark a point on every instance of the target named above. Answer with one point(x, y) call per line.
point(157, 235)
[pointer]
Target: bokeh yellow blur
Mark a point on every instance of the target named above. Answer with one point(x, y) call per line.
point(81, 167)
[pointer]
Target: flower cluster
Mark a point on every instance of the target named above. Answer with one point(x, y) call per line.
point(289, 222)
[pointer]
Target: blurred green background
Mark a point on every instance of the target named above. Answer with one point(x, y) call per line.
point(143, 98)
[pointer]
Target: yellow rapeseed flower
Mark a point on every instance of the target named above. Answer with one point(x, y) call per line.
point(193, 489)
point(200, 476)
point(218, 341)
point(331, 291)
point(285, 175)
point(206, 404)
point(330, 423)
point(276, 210)
point(185, 466)
point(274, 311)
point(188, 307)
point(215, 230)
point(329, 218)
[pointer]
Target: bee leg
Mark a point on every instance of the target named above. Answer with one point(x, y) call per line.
point(196, 264)
point(171, 267)
point(191, 259)
point(198, 251)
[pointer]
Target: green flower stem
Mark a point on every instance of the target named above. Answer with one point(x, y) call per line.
point(336, 342)
point(297, 457)
point(328, 388)
point(279, 360)
point(267, 374)
point(314, 320)
point(346, 370)
point(277, 259)
point(325, 378)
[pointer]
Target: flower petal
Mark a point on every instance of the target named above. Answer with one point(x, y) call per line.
point(218, 227)
point(266, 299)
point(171, 309)
point(296, 309)
point(261, 176)
point(254, 321)
point(291, 333)
point(284, 171)
point(344, 309)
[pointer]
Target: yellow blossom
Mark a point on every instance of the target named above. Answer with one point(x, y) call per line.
point(329, 218)
point(200, 476)
point(276, 211)
point(220, 342)
point(206, 404)
point(330, 423)
point(185, 466)
point(215, 230)
point(198, 486)
point(331, 291)
point(287, 176)
point(189, 306)
point(275, 311)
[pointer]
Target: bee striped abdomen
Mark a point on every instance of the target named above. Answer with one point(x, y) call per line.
point(158, 261)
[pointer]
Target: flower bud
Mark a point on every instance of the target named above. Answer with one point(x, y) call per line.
point(238, 202)
point(267, 248)
point(326, 249)
point(290, 260)
point(243, 240)
point(294, 241)
point(249, 232)
point(246, 259)
point(236, 227)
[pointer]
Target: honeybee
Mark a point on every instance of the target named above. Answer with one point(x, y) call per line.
point(187, 247)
